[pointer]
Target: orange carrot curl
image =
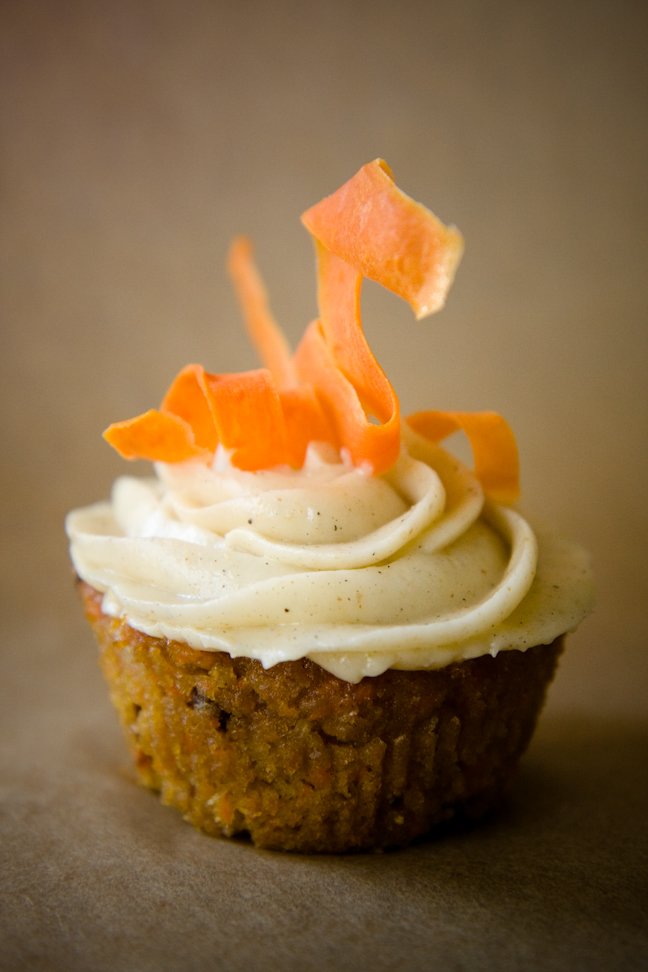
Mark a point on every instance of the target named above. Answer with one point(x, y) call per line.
point(331, 389)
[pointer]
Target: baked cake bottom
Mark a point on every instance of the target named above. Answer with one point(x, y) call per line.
point(300, 760)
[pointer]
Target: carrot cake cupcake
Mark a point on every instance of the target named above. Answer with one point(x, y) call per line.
point(319, 628)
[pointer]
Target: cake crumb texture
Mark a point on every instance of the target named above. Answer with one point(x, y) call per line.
point(300, 760)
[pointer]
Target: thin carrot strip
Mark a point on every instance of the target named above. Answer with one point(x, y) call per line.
point(376, 446)
point(306, 422)
point(303, 416)
point(388, 237)
point(188, 398)
point(267, 337)
point(332, 389)
point(335, 357)
point(339, 302)
point(492, 442)
point(156, 436)
point(249, 418)
point(369, 228)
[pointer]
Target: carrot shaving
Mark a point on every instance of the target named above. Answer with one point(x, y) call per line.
point(493, 445)
point(335, 357)
point(331, 389)
point(188, 398)
point(154, 435)
point(388, 237)
point(266, 335)
point(249, 418)
point(306, 422)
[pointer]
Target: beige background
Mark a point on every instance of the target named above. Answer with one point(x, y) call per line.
point(139, 137)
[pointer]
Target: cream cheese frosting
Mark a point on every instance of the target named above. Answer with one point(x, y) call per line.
point(411, 569)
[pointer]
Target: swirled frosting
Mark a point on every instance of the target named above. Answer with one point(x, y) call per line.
point(412, 569)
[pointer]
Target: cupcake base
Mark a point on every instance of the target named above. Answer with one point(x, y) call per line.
point(300, 760)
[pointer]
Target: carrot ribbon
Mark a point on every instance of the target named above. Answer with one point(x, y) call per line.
point(331, 389)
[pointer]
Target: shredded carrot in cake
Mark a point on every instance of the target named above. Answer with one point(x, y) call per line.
point(331, 389)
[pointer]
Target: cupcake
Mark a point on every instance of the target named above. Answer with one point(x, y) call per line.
point(319, 628)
